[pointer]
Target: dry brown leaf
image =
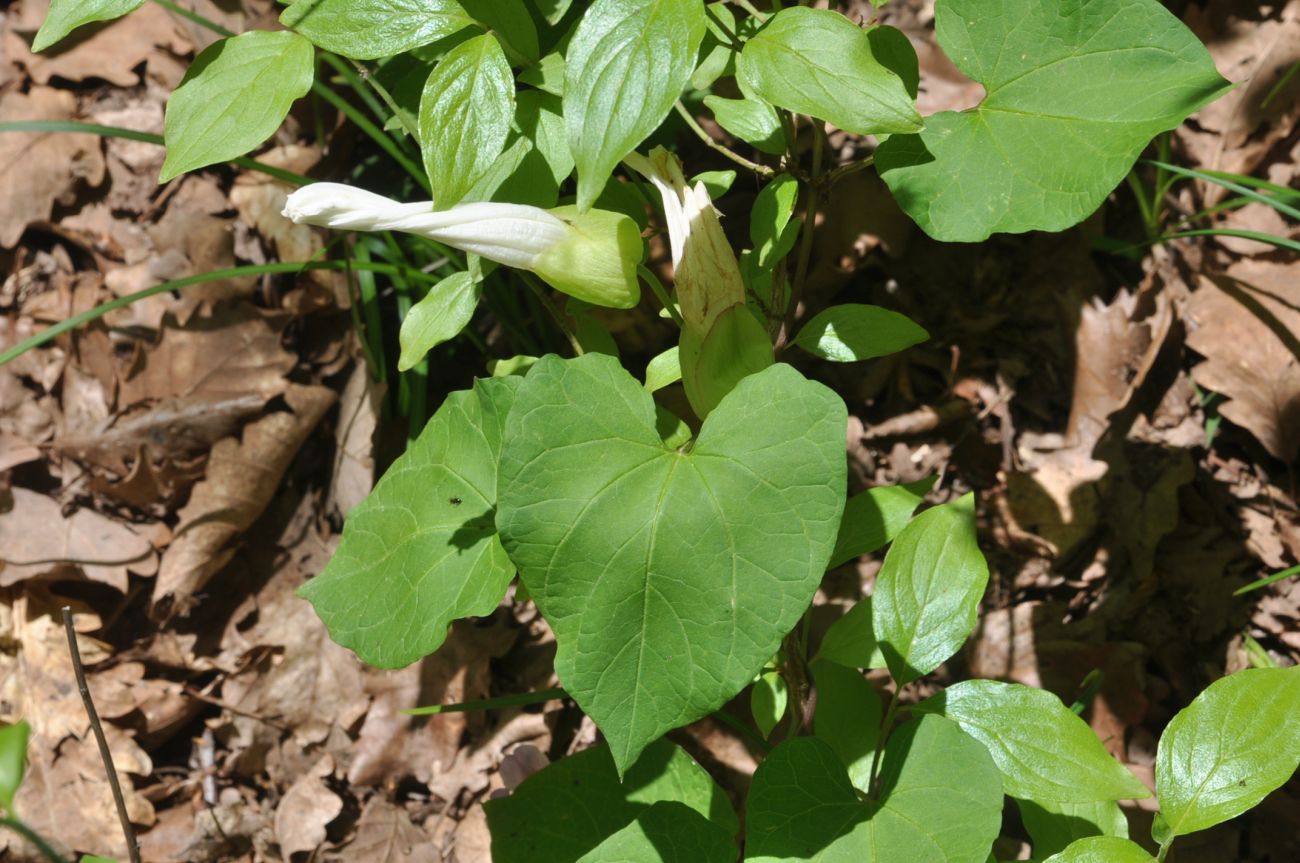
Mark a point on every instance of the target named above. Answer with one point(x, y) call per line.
point(65, 773)
point(306, 809)
point(1245, 326)
point(39, 168)
point(1238, 129)
point(36, 538)
point(242, 475)
point(354, 462)
point(472, 841)
point(233, 353)
point(111, 51)
point(391, 745)
point(72, 780)
point(385, 834)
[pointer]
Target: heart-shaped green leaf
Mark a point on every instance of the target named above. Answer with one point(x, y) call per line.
point(1053, 827)
point(847, 718)
point(669, 577)
point(941, 802)
point(465, 113)
point(1075, 91)
point(1227, 750)
point(625, 67)
point(234, 96)
point(422, 549)
point(561, 813)
point(1045, 751)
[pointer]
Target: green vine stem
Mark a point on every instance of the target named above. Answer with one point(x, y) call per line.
point(39, 843)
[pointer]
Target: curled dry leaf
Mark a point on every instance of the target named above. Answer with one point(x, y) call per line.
point(242, 475)
point(307, 808)
point(39, 168)
point(36, 538)
point(1245, 325)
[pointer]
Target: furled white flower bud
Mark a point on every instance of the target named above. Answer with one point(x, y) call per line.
point(706, 274)
point(592, 257)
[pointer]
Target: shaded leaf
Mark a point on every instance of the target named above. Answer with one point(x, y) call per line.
point(667, 832)
point(941, 801)
point(422, 550)
point(562, 812)
point(847, 718)
point(1054, 826)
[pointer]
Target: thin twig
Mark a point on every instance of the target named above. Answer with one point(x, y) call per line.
point(132, 848)
point(806, 240)
point(762, 170)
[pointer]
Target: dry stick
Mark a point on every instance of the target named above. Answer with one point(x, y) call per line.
point(132, 849)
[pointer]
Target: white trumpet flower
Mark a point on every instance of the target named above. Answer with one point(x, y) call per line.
point(591, 256)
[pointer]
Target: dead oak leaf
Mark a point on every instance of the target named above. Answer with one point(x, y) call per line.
point(39, 168)
point(234, 352)
point(385, 834)
point(1245, 326)
point(36, 538)
point(242, 475)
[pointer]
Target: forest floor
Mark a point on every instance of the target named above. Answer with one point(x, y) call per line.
point(1128, 413)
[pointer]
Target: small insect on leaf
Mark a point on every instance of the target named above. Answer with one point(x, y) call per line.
point(454, 501)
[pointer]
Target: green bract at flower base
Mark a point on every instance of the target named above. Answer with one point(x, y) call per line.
point(592, 257)
point(596, 261)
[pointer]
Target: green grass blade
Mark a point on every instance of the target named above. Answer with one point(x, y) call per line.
point(1267, 580)
point(1244, 186)
point(489, 703)
point(99, 311)
point(1271, 239)
point(75, 126)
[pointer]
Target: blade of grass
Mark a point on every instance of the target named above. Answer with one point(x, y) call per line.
point(1281, 242)
point(1235, 183)
point(75, 126)
point(522, 698)
point(1267, 580)
point(99, 311)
